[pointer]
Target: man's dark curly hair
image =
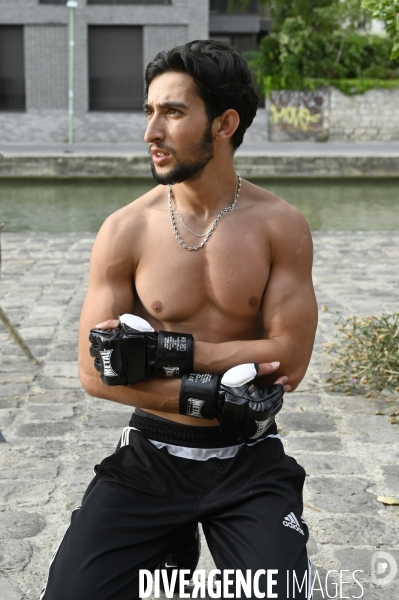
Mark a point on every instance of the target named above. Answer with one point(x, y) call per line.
point(222, 75)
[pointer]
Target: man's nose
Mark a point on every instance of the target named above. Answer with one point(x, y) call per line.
point(154, 130)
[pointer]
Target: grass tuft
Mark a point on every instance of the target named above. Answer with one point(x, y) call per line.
point(365, 357)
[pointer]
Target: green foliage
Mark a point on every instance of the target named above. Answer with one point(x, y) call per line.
point(298, 55)
point(387, 11)
point(320, 15)
point(352, 87)
point(366, 357)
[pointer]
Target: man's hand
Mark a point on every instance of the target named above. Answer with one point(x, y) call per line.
point(243, 409)
point(263, 369)
point(133, 350)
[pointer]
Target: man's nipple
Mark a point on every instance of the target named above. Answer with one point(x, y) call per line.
point(157, 306)
point(253, 302)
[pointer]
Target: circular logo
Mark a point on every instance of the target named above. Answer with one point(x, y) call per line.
point(383, 568)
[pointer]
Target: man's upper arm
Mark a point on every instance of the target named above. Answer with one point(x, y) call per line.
point(110, 292)
point(289, 305)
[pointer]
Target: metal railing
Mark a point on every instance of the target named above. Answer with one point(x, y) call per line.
point(12, 93)
point(115, 93)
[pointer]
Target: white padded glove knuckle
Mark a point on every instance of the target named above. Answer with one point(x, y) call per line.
point(135, 322)
point(239, 375)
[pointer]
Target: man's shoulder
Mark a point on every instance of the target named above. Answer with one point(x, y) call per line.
point(273, 210)
point(121, 232)
point(132, 217)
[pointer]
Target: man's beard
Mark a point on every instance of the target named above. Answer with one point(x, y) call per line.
point(184, 171)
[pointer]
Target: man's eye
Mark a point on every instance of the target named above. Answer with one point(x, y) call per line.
point(173, 111)
point(148, 112)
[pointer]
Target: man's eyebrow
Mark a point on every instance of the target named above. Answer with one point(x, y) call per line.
point(169, 104)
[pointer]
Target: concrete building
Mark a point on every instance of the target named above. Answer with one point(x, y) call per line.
point(114, 40)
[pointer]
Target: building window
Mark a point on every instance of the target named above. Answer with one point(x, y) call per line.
point(12, 68)
point(115, 68)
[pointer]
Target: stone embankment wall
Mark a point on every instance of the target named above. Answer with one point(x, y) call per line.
point(328, 115)
point(372, 116)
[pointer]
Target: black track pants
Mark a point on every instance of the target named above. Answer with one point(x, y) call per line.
point(247, 497)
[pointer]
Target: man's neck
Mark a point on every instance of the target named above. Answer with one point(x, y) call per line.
point(208, 194)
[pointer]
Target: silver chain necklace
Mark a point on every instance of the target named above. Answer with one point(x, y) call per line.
point(206, 235)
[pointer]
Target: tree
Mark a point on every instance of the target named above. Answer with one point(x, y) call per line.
point(388, 12)
point(321, 15)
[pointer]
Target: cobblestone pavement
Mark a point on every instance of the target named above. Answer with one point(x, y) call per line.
point(54, 433)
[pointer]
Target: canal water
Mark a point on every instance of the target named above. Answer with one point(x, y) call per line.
point(63, 206)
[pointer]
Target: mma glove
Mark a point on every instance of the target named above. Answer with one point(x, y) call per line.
point(243, 409)
point(134, 350)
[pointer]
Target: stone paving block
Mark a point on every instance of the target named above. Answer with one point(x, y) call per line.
point(64, 370)
point(309, 421)
point(110, 419)
point(299, 401)
point(15, 493)
point(57, 383)
point(57, 396)
point(15, 525)
point(357, 405)
point(356, 531)
point(45, 412)
point(16, 377)
point(339, 495)
point(391, 473)
point(14, 555)
point(27, 469)
point(12, 389)
point(384, 454)
point(34, 333)
point(7, 416)
point(54, 385)
point(373, 429)
point(314, 443)
point(45, 429)
point(324, 464)
point(9, 590)
point(41, 448)
point(63, 355)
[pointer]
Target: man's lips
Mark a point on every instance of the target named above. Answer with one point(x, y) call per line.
point(159, 156)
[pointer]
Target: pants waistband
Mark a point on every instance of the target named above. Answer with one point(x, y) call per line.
point(168, 432)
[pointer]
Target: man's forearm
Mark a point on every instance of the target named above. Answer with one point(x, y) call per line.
point(152, 394)
point(218, 358)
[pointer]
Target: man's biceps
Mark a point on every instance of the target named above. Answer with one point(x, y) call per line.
point(108, 302)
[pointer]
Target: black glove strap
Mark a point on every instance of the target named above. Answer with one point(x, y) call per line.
point(199, 396)
point(175, 352)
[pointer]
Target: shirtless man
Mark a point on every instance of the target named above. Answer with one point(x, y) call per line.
point(246, 296)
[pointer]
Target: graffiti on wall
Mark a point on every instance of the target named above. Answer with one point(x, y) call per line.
point(297, 115)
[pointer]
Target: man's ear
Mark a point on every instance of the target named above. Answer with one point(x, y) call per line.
point(225, 125)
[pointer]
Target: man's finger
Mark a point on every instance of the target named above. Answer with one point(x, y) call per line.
point(267, 368)
point(283, 381)
point(110, 324)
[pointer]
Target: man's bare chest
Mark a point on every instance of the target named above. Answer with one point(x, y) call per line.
point(228, 277)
